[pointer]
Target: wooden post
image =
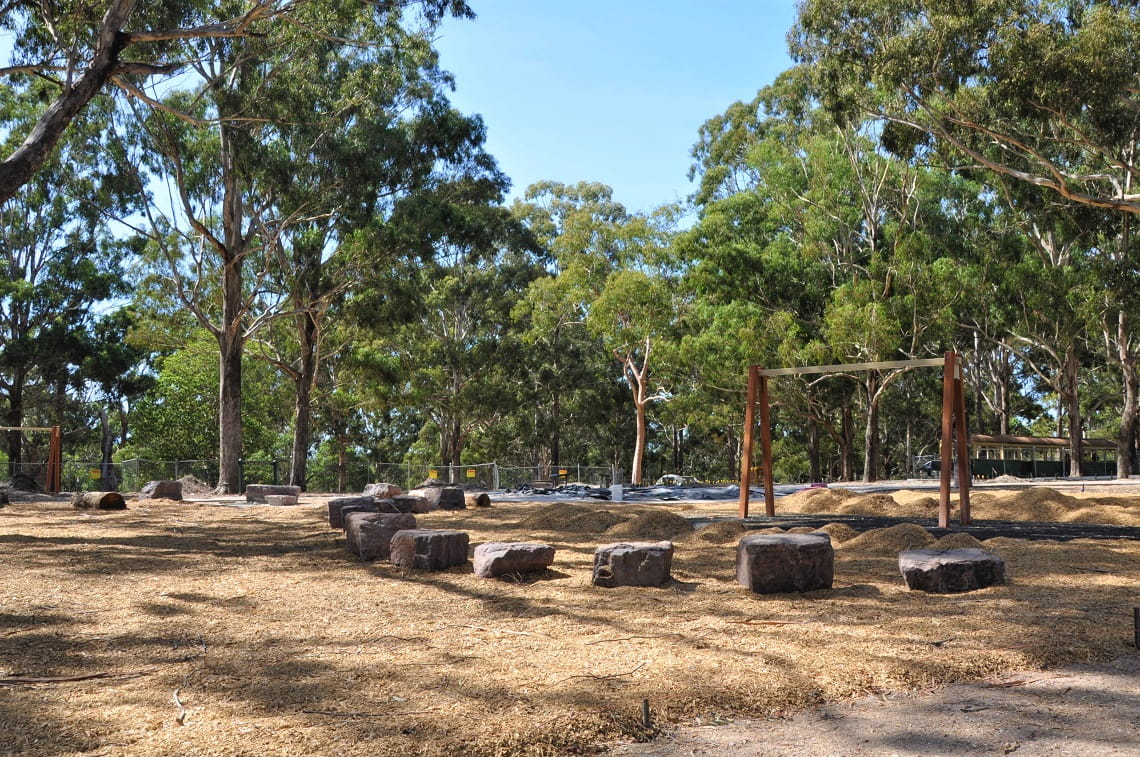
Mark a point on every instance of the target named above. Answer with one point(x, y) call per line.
point(766, 448)
point(54, 474)
point(746, 452)
point(964, 473)
point(948, 371)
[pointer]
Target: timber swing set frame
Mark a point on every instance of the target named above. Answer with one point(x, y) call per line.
point(53, 475)
point(953, 427)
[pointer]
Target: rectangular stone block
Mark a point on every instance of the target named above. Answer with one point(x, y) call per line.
point(951, 571)
point(428, 549)
point(636, 563)
point(499, 558)
point(258, 492)
point(779, 563)
point(369, 535)
point(336, 517)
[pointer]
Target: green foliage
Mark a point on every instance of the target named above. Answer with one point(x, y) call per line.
point(177, 419)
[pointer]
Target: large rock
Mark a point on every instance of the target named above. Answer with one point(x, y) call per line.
point(950, 571)
point(98, 501)
point(382, 491)
point(779, 563)
point(405, 503)
point(162, 490)
point(499, 558)
point(369, 535)
point(336, 517)
point(444, 497)
point(257, 492)
point(428, 549)
point(277, 500)
point(638, 563)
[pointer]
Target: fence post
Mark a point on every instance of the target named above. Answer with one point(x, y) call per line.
point(495, 476)
point(275, 481)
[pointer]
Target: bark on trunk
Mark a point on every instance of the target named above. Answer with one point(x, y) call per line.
point(847, 446)
point(639, 446)
point(303, 397)
point(814, 473)
point(22, 164)
point(1126, 440)
point(1072, 399)
point(871, 430)
point(231, 339)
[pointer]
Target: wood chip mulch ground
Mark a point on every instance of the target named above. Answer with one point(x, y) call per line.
point(199, 628)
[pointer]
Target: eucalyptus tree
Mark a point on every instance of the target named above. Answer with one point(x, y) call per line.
point(598, 254)
point(258, 115)
point(61, 265)
point(1037, 91)
point(78, 49)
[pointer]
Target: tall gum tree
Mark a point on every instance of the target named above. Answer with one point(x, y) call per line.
point(214, 136)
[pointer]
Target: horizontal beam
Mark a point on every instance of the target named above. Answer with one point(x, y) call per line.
point(886, 364)
point(23, 428)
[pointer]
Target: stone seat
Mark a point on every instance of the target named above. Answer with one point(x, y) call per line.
point(405, 503)
point(428, 549)
point(280, 499)
point(950, 571)
point(336, 508)
point(162, 489)
point(500, 558)
point(780, 563)
point(369, 535)
point(639, 563)
point(258, 492)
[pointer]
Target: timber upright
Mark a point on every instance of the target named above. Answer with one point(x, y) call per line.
point(953, 425)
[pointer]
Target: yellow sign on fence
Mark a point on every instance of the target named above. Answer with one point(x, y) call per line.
point(470, 473)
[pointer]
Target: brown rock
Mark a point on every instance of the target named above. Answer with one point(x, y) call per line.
point(951, 571)
point(382, 491)
point(428, 549)
point(498, 558)
point(336, 517)
point(638, 563)
point(257, 492)
point(162, 490)
point(779, 563)
point(369, 535)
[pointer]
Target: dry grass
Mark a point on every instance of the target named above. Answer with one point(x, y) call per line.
point(276, 642)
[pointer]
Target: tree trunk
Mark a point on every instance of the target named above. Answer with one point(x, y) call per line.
point(639, 446)
point(871, 430)
point(303, 397)
point(231, 339)
point(814, 473)
point(1072, 398)
point(847, 446)
point(1126, 440)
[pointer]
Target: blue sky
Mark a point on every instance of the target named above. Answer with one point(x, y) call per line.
point(610, 90)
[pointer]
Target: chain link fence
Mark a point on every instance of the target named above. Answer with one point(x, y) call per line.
point(132, 475)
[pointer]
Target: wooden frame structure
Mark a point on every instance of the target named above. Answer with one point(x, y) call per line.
point(953, 419)
point(53, 477)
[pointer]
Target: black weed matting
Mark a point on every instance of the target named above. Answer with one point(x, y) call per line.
point(979, 529)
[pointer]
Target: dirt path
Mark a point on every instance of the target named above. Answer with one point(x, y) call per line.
point(1085, 710)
